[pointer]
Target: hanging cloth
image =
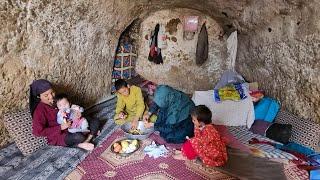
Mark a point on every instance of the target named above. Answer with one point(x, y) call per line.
point(155, 52)
point(202, 46)
point(162, 38)
point(232, 45)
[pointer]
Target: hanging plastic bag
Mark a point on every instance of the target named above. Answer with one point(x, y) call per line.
point(190, 23)
point(190, 27)
point(162, 38)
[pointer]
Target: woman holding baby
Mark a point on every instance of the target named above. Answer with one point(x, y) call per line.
point(44, 124)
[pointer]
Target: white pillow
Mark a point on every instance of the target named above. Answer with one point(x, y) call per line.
point(228, 113)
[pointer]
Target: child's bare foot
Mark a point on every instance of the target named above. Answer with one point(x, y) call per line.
point(86, 146)
point(177, 152)
point(89, 138)
point(179, 157)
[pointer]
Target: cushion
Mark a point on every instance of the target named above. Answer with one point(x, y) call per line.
point(260, 127)
point(267, 109)
point(228, 113)
point(315, 174)
point(279, 132)
point(304, 131)
point(275, 131)
point(19, 126)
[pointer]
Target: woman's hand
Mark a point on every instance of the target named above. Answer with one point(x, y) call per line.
point(122, 115)
point(146, 117)
point(148, 124)
point(134, 123)
point(65, 125)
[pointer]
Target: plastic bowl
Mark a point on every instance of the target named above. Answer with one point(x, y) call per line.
point(146, 132)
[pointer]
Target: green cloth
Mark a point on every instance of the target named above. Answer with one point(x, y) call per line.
point(177, 104)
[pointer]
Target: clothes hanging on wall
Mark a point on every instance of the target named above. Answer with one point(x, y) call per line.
point(155, 52)
point(202, 46)
point(232, 45)
point(162, 38)
point(190, 27)
point(124, 62)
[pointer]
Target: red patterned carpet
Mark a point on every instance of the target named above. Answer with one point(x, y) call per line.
point(103, 164)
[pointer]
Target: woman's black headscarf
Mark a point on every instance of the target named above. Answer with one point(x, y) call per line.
point(36, 88)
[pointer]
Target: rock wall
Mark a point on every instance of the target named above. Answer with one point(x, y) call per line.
point(284, 57)
point(70, 43)
point(179, 68)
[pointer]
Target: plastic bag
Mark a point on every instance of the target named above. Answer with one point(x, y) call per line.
point(162, 38)
point(191, 23)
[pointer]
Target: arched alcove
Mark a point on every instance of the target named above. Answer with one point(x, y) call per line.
point(179, 67)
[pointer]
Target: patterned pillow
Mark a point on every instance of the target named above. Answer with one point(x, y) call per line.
point(304, 131)
point(19, 126)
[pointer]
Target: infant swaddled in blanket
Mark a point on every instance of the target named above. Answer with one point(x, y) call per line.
point(71, 113)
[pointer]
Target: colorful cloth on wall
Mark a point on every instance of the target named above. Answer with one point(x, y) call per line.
point(233, 92)
point(124, 62)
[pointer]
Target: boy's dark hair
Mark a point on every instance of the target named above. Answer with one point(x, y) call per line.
point(202, 113)
point(120, 83)
point(61, 96)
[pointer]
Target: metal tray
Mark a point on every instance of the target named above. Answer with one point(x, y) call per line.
point(146, 132)
point(125, 154)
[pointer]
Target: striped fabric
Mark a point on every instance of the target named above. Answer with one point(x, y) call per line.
point(304, 131)
point(53, 162)
point(244, 135)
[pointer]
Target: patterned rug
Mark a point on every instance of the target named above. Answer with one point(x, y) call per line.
point(103, 164)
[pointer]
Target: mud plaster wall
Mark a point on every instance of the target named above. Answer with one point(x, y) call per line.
point(284, 57)
point(179, 68)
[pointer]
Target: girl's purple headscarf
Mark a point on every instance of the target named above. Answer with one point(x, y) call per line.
point(36, 88)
